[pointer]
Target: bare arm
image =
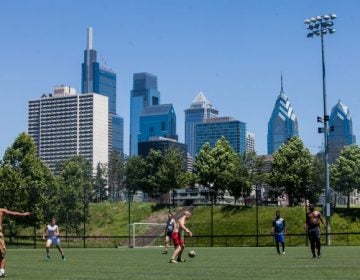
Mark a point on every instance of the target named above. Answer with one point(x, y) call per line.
point(182, 225)
point(45, 232)
point(14, 213)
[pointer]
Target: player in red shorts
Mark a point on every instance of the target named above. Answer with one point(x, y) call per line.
point(178, 237)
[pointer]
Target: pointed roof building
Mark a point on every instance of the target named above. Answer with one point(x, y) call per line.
point(283, 123)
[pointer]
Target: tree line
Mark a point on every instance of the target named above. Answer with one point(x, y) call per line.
point(27, 184)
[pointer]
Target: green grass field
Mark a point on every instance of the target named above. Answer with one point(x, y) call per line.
point(210, 263)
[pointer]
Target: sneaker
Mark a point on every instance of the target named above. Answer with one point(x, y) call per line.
point(172, 261)
point(48, 257)
point(2, 275)
point(283, 253)
point(319, 256)
point(180, 260)
point(63, 258)
point(164, 253)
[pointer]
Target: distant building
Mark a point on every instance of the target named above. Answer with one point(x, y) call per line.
point(144, 93)
point(200, 110)
point(65, 124)
point(341, 133)
point(97, 79)
point(157, 120)
point(283, 123)
point(213, 129)
point(250, 142)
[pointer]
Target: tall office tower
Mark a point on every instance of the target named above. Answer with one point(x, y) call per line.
point(200, 110)
point(250, 142)
point(98, 79)
point(65, 124)
point(283, 123)
point(144, 93)
point(157, 120)
point(211, 130)
point(341, 133)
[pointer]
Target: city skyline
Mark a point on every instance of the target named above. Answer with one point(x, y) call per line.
point(233, 51)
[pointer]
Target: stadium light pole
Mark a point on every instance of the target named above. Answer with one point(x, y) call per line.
point(320, 26)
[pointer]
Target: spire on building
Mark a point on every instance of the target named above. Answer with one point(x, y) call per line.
point(89, 38)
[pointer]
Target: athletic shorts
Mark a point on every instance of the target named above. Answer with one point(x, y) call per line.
point(177, 240)
point(169, 233)
point(54, 240)
point(314, 233)
point(279, 237)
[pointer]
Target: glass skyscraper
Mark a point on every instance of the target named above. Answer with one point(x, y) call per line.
point(97, 79)
point(211, 130)
point(342, 133)
point(143, 94)
point(200, 110)
point(158, 121)
point(283, 123)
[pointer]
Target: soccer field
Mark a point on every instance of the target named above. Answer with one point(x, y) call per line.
point(210, 263)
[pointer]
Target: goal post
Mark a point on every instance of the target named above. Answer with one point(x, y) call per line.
point(146, 234)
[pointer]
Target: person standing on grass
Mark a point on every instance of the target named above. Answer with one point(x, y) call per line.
point(278, 230)
point(3, 212)
point(53, 234)
point(178, 237)
point(169, 227)
point(312, 226)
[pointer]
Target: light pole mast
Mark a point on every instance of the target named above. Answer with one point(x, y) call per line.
point(320, 26)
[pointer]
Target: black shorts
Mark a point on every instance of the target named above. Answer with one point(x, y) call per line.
point(314, 233)
point(168, 233)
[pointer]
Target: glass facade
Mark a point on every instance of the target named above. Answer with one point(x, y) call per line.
point(283, 123)
point(96, 79)
point(200, 110)
point(212, 130)
point(143, 94)
point(158, 120)
point(341, 133)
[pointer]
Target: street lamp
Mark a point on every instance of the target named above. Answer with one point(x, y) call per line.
point(320, 26)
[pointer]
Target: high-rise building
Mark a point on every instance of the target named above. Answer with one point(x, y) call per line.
point(65, 124)
point(283, 123)
point(250, 142)
point(157, 120)
point(144, 93)
point(211, 130)
point(341, 132)
point(101, 80)
point(200, 110)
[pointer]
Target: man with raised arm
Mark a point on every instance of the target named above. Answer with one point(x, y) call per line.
point(3, 212)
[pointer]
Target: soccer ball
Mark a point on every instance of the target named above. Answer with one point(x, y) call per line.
point(192, 254)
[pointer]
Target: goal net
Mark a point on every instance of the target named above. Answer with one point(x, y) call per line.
point(147, 234)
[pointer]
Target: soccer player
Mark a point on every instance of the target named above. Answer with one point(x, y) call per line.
point(278, 230)
point(169, 227)
point(177, 237)
point(312, 226)
point(4, 212)
point(52, 232)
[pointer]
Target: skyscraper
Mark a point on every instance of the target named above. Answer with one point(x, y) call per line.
point(250, 142)
point(158, 120)
point(98, 79)
point(200, 110)
point(283, 123)
point(211, 130)
point(144, 93)
point(341, 133)
point(65, 124)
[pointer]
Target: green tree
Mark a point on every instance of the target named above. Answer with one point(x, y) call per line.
point(100, 184)
point(171, 174)
point(26, 183)
point(151, 184)
point(135, 172)
point(116, 173)
point(345, 173)
point(291, 171)
point(317, 179)
point(76, 188)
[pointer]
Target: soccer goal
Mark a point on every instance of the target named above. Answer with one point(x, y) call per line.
point(147, 234)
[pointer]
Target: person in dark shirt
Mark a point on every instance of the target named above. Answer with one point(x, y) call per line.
point(169, 227)
point(312, 226)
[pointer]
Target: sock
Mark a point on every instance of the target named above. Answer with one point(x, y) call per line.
point(2, 271)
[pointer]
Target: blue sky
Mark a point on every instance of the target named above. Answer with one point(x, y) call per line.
point(232, 50)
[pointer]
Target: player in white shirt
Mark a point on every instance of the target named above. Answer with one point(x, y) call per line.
point(52, 233)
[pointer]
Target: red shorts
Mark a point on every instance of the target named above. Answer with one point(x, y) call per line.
point(177, 240)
